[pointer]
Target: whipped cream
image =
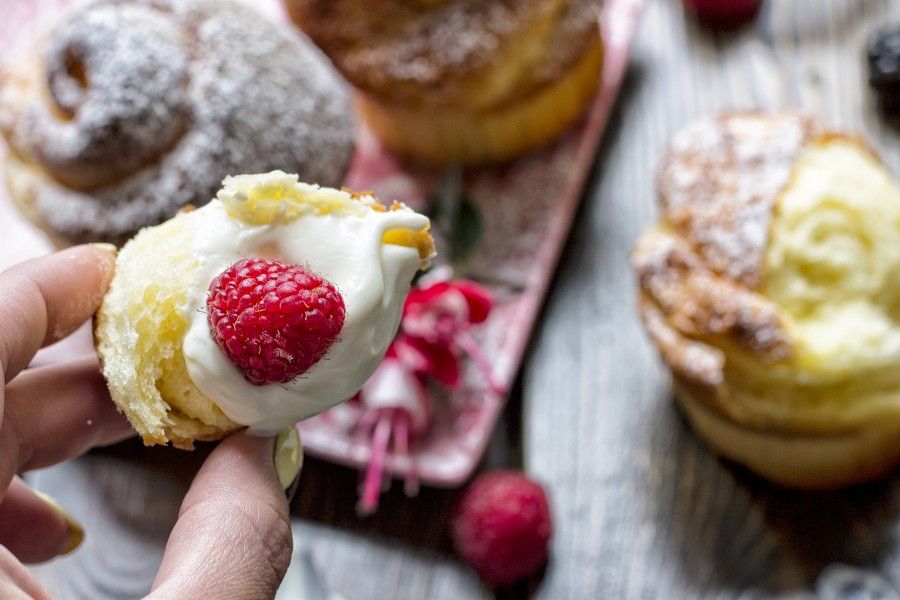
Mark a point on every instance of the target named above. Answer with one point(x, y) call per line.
point(340, 238)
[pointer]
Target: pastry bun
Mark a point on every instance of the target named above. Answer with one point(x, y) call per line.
point(462, 81)
point(771, 287)
point(128, 110)
point(164, 370)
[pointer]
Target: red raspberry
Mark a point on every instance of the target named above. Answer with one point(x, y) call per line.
point(502, 526)
point(273, 320)
point(724, 13)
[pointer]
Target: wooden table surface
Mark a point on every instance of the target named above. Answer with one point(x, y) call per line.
point(642, 508)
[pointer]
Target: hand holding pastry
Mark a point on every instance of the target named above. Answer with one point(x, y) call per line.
point(771, 287)
point(53, 413)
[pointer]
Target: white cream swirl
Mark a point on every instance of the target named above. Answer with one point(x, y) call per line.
point(341, 238)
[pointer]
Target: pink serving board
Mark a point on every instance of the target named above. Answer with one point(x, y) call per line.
point(526, 209)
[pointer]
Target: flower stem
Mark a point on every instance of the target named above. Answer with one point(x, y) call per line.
point(368, 502)
point(470, 347)
point(401, 448)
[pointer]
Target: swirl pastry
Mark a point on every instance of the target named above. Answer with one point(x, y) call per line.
point(271, 303)
point(771, 286)
point(462, 81)
point(130, 109)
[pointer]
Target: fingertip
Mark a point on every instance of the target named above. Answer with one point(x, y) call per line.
point(52, 531)
point(242, 459)
point(256, 448)
point(233, 535)
point(106, 259)
point(74, 530)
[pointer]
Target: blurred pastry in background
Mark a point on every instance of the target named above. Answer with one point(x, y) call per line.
point(462, 81)
point(128, 110)
point(883, 53)
point(771, 287)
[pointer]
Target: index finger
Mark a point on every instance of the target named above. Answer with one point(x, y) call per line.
point(45, 299)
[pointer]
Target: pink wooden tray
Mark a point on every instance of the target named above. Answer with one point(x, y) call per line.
point(524, 210)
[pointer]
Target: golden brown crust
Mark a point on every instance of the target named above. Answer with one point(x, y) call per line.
point(697, 302)
point(452, 136)
point(683, 302)
point(183, 431)
point(469, 53)
point(719, 180)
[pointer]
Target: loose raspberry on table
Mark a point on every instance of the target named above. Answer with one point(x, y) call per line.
point(502, 526)
point(273, 320)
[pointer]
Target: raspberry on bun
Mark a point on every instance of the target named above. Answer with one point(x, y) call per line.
point(272, 303)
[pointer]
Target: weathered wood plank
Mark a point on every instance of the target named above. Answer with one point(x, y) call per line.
point(645, 509)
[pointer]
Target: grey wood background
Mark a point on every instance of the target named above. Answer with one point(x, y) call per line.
point(642, 509)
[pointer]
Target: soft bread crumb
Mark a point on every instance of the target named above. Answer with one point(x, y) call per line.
point(139, 332)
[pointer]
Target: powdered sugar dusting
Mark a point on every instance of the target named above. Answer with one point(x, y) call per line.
point(720, 180)
point(112, 69)
point(175, 96)
point(697, 302)
point(404, 50)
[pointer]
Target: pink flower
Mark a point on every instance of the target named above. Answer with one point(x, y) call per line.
point(434, 329)
point(436, 312)
point(433, 336)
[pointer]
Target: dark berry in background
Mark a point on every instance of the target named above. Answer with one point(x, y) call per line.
point(884, 68)
point(723, 14)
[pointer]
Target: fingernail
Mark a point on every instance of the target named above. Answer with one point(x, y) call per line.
point(111, 248)
point(288, 456)
point(76, 531)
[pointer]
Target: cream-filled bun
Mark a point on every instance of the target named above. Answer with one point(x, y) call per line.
point(165, 370)
point(771, 287)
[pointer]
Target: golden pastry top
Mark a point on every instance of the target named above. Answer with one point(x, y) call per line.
point(720, 179)
point(773, 277)
point(279, 197)
point(472, 53)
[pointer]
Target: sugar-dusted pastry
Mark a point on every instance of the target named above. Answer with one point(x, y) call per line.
point(128, 110)
point(771, 287)
point(271, 303)
point(462, 81)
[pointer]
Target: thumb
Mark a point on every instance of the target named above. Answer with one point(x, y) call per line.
point(233, 535)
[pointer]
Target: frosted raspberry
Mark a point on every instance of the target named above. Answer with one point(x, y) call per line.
point(273, 320)
point(502, 526)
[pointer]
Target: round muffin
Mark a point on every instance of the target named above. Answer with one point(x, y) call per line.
point(128, 110)
point(771, 286)
point(172, 375)
point(462, 81)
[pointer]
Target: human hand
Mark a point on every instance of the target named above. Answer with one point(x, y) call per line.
point(232, 538)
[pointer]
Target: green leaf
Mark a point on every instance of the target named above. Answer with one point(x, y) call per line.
point(455, 217)
point(466, 233)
